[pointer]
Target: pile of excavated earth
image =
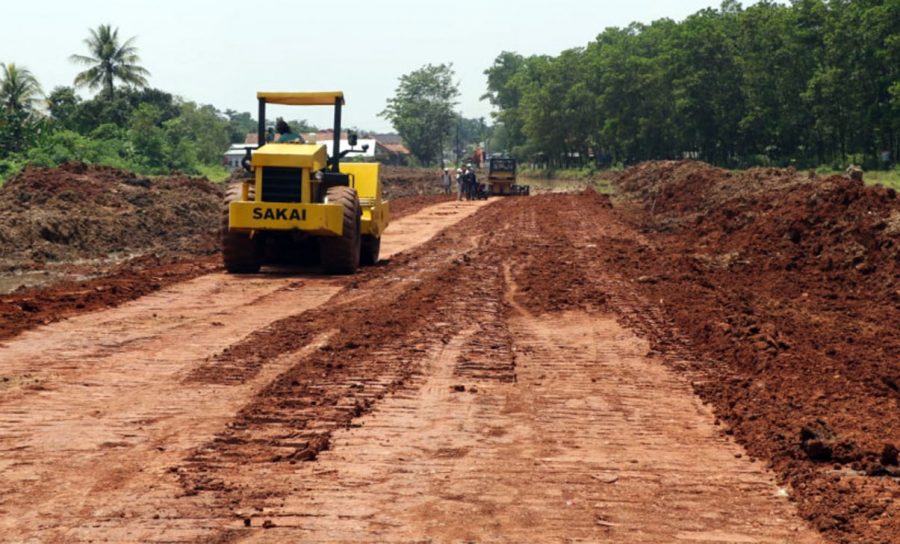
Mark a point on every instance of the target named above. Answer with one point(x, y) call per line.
point(401, 181)
point(91, 236)
point(786, 287)
point(771, 294)
point(80, 212)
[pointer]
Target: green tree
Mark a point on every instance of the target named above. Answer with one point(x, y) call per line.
point(181, 149)
point(239, 125)
point(421, 110)
point(504, 92)
point(805, 82)
point(19, 93)
point(707, 88)
point(301, 126)
point(510, 78)
point(466, 133)
point(204, 128)
point(19, 89)
point(559, 114)
point(168, 104)
point(148, 137)
point(108, 61)
point(776, 61)
point(100, 110)
point(63, 103)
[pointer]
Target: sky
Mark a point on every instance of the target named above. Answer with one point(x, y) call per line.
point(222, 52)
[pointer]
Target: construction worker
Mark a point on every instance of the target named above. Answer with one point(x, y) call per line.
point(445, 181)
point(472, 183)
point(285, 134)
point(466, 181)
point(460, 184)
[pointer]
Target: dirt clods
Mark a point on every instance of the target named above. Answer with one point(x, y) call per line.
point(820, 443)
point(889, 455)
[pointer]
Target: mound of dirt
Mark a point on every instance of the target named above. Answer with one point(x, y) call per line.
point(401, 181)
point(76, 212)
point(687, 187)
point(789, 285)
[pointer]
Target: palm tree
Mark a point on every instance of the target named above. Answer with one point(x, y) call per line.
point(109, 61)
point(19, 89)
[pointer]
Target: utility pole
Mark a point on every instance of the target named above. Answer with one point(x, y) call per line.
point(484, 152)
point(458, 121)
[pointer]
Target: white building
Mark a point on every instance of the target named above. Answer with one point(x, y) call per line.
point(235, 154)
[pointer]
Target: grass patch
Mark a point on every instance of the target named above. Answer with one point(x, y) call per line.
point(888, 178)
point(585, 173)
point(9, 168)
point(599, 181)
point(214, 172)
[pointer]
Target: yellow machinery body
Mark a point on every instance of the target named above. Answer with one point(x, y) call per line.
point(501, 184)
point(321, 219)
point(501, 176)
point(300, 205)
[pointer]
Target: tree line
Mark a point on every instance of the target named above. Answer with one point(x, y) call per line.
point(127, 124)
point(810, 83)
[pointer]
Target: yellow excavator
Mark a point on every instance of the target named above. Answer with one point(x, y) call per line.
point(301, 205)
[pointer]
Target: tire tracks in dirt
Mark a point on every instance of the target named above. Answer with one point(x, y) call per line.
point(486, 423)
point(475, 388)
point(106, 404)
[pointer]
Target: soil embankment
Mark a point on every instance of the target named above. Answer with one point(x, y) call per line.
point(80, 213)
point(402, 181)
point(787, 289)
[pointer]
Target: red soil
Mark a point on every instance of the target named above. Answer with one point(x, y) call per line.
point(788, 288)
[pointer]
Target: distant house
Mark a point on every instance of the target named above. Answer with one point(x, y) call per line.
point(232, 158)
point(399, 155)
point(389, 138)
point(322, 136)
point(384, 148)
point(398, 152)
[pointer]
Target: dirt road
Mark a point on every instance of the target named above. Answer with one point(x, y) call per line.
point(480, 386)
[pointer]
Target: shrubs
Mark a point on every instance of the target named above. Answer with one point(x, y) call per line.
point(147, 132)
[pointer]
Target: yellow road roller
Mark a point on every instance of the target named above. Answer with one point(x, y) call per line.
point(300, 206)
point(502, 178)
